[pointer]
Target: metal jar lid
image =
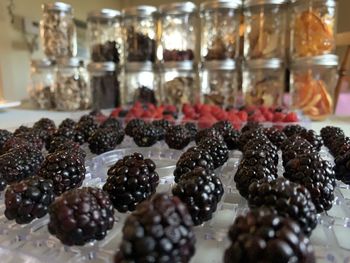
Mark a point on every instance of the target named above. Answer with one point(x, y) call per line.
point(57, 6)
point(250, 3)
point(141, 10)
point(324, 60)
point(103, 14)
point(139, 66)
point(220, 4)
point(179, 65)
point(42, 63)
point(273, 63)
point(69, 62)
point(219, 65)
point(101, 67)
point(178, 8)
point(329, 3)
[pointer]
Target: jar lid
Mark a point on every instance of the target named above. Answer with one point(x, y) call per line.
point(69, 62)
point(57, 6)
point(330, 3)
point(141, 10)
point(104, 14)
point(324, 60)
point(233, 4)
point(101, 67)
point(178, 8)
point(42, 63)
point(139, 66)
point(250, 3)
point(180, 65)
point(220, 64)
point(273, 63)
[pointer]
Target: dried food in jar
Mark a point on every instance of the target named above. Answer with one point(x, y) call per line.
point(222, 48)
point(178, 90)
point(266, 92)
point(144, 94)
point(140, 47)
point(105, 91)
point(107, 52)
point(43, 96)
point(178, 55)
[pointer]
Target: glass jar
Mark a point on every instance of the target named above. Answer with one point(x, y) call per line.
point(72, 91)
point(220, 29)
point(263, 82)
point(265, 29)
point(312, 27)
point(179, 83)
point(104, 85)
point(219, 83)
point(104, 36)
point(41, 89)
point(57, 31)
point(140, 33)
point(313, 82)
point(177, 31)
point(141, 83)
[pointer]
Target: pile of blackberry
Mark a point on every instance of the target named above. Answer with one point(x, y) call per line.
point(201, 190)
point(275, 135)
point(295, 146)
point(4, 136)
point(133, 125)
point(262, 145)
point(217, 148)
point(80, 216)
point(111, 123)
point(46, 128)
point(145, 135)
point(262, 236)
point(317, 175)
point(159, 230)
point(192, 158)
point(250, 135)
point(177, 137)
point(251, 125)
point(85, 127)
point(105, 139)
point(130, 181)
point(288, 199)
point(162, 126)
point(291, 130)
point(28, 199)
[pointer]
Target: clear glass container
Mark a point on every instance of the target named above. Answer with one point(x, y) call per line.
point(72, 91)
point(313, 82)
point(57, 30)
point(179, 83)
point(140, 33)
point(104, 85)
point(263, 82)
point(140, 84)
point(220, 22)
point(41, 88)
point(265, 29)
point(219, 83)
point(312, 27)
point(177, 32)
point(104, 35)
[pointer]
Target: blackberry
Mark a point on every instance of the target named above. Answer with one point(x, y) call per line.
point(192, 158)
point(80, 216)
point(223, 127)
point(291, 130)
point(317, 175)
point(288, 199)
point(201, 190)
point(105, 139)
point(265, 145)
point(337, 144)
point(192, 128)
point(46, 128)
point(343, 149)
point(262, 236)
point(14, 143)
point(295, 146)
point(111, 123)
point(313, 138)
point(160, 230)
point(56, 142)
point(329, 133)
point(22, 129)
point(275, 135)
point(18, 164)
point(342, 167)
point(134, 123)
point(69, 133)
point(177, 137)
point(28, 199)
point(4, 136)
point(218, 150)
point(145, 135)
point(33, 137)
point(67, 123)
point(86, 126)
point(65, 168)
point(130, 181)
point(207, 133)
point(162, 126)
point(250, 135)
point(251, 126)
point(231, 139)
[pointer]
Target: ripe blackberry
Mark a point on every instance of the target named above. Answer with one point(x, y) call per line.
point(192, 128)
point(261, 157)
point(67, 123)
point(21, 129)
point(177, 137)
point(223, 127)
point(275, 135)
point(262, 236)
point(65, 168)
point(28, 199)
point(263, 144)
point(201, 190)
point(312, 137)
point(80, 216)
point(86, 126)
point(145, 135)
point(46, 128)
point(337, 144)
point(130, 181)
point(162, 126)
point(160, 230)
point(4, 136)
point(33, 137)
point(231, 139)
point(317, 175)
point(105, 139)
point(250, 135)
point(56, 142)
point(342, 167)
point(329, 133)
point(295, 146)
point(291, 130)
point(18, 164)
point(111, 123)
point(207, 133)
point(134, 123)
point(218, 150)
point(14, 143)
point(69, 133)
point(193, 157)
point(288, 199)
point(251, 126)
point(343, 149)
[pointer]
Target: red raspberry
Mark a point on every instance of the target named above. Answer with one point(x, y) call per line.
point(278, 117)
point(291, 117)
point(242, 115)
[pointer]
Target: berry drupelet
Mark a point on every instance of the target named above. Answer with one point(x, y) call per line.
point(130, 181)
point(80, 216)
point(160, 230)
point(28, 199)
point(133, 125)
point(145, 135)
point(218, 150)
point(201, 190)
point(275, 135)
point(261, 157)
point(105, 139)
point(177, 137)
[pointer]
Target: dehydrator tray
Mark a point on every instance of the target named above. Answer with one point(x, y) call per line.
point(32, 243)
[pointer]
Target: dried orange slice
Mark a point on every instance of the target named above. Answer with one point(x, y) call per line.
point(326, 102)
